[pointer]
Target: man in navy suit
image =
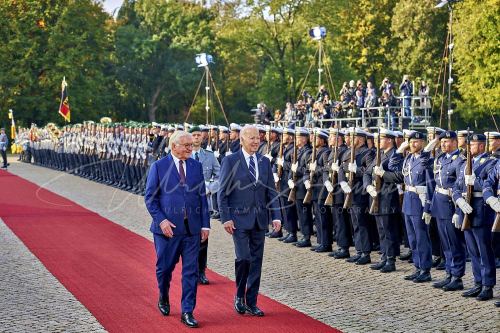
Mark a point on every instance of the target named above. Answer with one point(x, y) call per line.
point(247, 200)
point(176, 199)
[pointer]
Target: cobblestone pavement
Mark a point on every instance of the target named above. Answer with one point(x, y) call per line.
point(345, 296)
point(32, 299)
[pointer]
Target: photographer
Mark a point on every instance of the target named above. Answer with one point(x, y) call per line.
point(406, 91)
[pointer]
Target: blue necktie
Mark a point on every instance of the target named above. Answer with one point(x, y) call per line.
point(251, 167)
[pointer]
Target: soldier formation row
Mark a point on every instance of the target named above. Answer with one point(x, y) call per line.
point(437, 192)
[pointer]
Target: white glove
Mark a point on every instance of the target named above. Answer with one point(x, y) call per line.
point(209, 148)
point(307, 184)
point(279, 161)
point(431, 145)
point(400, 189)
point(268, 156)
point(371, 191)
point(294, 166)
point(228, 153)
point(345, 187)
point(276, 178)
point(329, 186)
point(312, 166)
point(352, 167)
point(494, 204)
point(469, 179)
point(403, 147)
point(455, 220)
point(464, 206)
point(216, 154)
point(291, 184)
point(335, 167)
point(427, 218)
point(379, 171)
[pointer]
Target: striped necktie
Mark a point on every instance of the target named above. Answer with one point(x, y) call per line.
point(251, 168)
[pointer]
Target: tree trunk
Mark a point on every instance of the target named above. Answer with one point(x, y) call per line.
point(153, 106)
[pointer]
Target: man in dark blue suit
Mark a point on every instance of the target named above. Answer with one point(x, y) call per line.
point(176, 199)
point(247, 200)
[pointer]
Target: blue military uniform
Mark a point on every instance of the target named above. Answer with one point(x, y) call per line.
point(478, 237)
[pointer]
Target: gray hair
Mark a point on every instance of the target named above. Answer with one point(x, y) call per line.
point(247, 128)
point(176, 138)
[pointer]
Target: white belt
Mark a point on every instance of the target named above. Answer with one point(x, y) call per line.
point(415, 189)
point(445, 191)
point(474, 194)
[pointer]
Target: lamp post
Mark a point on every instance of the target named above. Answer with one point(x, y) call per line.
point(319, 33)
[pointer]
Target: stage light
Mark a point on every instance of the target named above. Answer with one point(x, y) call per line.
point(318, 33)
point(204, 59)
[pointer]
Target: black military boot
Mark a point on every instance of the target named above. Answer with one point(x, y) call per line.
point(354, 258)
point(412, 276)
point(341, 253)
point(485, 294)
point(425, 276)
point(364, 259)
point(378, 265)
point(474, 291)
point(390, 265)
point(291, 239)
point(442, 283)
point(304, 242)
point(455, 284)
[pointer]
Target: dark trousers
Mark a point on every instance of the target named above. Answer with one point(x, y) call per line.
point(168, 252)
point(420, 242)
point(304, 212)
point(291, 220)
point(453, 243)
point(435, 236)
point(326, 224)
point(478, 240)
point(343, 227)
point(360, 227)
point(202, 258)
point(249, 249)
point(4, 157)
point(388, 230)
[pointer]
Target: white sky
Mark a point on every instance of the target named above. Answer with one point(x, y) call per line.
point(111, 5)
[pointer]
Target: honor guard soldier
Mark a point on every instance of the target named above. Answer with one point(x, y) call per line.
point(353, 166)
point(204, 134)
point(284, 163)
point(263, 130)
point(297, 187)
point(479, 217)
point(384, 201)
point(493, 147)
point(234, 136)
point(340, 218)
point(446, 170)
point(416, 173)
point(462, 139)
point(223, 150)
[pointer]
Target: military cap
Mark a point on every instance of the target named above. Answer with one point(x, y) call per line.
point(234, 127)
point(223, 129)
point(322, 133)
point(261, 128)
point(463, 133)
point(276, 130)
point(194, 129)
point(417, 136)
point(357, 131)
point(478, 137)
point(179, 127)
point(334, 131)
point(288, 130)
point(386, 133)
point(492, 135)
point(448, 135)
point(398, 134)
point(301, 131)
point(434, 130)
point(171, 128)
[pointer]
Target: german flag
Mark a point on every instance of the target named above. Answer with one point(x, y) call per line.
point(64, 106)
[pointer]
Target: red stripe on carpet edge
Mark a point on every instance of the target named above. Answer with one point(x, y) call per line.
point(111, 270)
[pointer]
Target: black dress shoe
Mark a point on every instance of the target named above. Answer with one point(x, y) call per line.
point(164, 306)
point(323, 249)
point(424, 276)
point(291, 239)
point(364, 259)
point(254, 311)
point(303, 243)
point(390, 266)
point(412, 276)
point(282, 238)
point(473, 292)
point(239, 304)
point(455, 284)
point(485, 294)
point(497, 304)
point(341, 254)
point(442, 283)
point(202, 279)
point(275, 234)
point(354, 258)
point(378, 265)
point(405, 256)
point(436, 262)
point(188, 320)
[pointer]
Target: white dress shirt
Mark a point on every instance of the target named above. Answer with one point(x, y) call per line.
point(247, 159)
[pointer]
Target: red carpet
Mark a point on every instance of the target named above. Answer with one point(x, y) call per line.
point(111, 270)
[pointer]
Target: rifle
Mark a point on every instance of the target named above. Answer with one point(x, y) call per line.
point(291, 196)
point(268, 138)
point(496, 225)
point(348, 198)
point(279, 172)
point(332, 174)
point(209, 142)
point(308, 196)
point(374, 208)
point(466, 224)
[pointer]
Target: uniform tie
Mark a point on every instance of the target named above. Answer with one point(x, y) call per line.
point(196, 156)
point(251, 168)
point(181, 172)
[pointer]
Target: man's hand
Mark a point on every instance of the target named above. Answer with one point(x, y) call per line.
point(371, 191)
point(464, 206)
point(403, 147)
point(470, 179)
point(294, 167)
point(276, 225)
point(307, 184)
point(312, 166)
point(291, 184)
point(345, 187)
point(166, 227)
point(335, 167)
point(276, 178)
point(494, 204)
point(204, 235)
point(279, 161)
point(328, 185)
point(455, 220)
point(229, 227)
point(431, 145)
point(352, 167)
point(378, 170)
point(427, 218)
point(216, 154)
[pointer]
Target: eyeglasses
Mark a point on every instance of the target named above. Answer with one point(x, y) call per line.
point(187, 145)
